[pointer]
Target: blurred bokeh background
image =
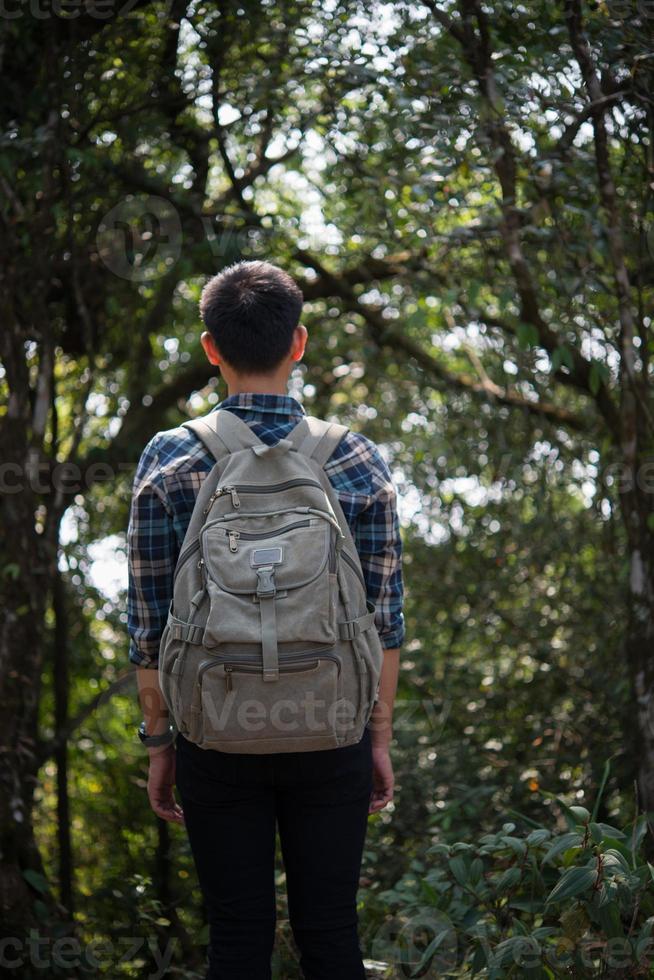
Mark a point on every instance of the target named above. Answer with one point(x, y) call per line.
point(465, 192)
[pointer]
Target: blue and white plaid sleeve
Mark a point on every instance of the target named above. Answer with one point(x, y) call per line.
point(379, 544)
point(152, 556)
point(359, 470)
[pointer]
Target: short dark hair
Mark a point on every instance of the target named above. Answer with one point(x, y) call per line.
point(251, 310)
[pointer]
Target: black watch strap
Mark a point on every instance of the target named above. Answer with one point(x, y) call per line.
point(155, 741)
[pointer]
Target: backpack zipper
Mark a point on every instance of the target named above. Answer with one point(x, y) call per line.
point(233, 535)
point(322, 514)
point(255, 535)
point(219, 492)
point(185, 555)
point(274, 487)
point(254, 488)
point(352, 564)
point(255, 668)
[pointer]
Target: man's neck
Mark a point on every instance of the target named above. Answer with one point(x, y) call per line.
point(258, 386)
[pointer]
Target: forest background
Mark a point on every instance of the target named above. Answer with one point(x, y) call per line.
point(465, 192)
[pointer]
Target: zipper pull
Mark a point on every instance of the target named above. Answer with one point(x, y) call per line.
point(218, 492)
point(214, 496)
point(233, 540)
point(228, 678)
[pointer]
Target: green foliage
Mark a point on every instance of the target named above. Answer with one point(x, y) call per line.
point(575, 898)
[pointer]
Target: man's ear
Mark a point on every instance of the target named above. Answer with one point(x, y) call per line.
point(300, 337)
point(209, 345)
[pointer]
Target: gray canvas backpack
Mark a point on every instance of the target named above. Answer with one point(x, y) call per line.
point(270, 643)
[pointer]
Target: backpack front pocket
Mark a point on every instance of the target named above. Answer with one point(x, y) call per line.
point(277, 573)
point(235, 709)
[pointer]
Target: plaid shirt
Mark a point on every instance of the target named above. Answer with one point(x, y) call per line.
point(169, 476)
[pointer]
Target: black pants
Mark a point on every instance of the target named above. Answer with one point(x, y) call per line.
point(319, 801)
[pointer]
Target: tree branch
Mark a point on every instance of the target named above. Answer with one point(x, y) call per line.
point(607, 191)
point(477, 50)
point(395, 340)
point(47, 749)
point(384, 336)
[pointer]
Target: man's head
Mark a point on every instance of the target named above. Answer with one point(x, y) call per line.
point(252, 314)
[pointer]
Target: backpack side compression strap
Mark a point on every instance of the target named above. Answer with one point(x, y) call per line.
point(317, 438)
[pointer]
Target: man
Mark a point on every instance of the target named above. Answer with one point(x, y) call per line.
point(231, 803)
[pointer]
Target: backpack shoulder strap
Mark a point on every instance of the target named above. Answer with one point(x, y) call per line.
point(223, 432)
point(317, 438)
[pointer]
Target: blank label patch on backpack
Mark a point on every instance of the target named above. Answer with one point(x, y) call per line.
point(266, 556)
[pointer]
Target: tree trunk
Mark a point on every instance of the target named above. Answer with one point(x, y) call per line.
point(24, 573)
point(639, 643)
point(27, 562)
point(60, 683)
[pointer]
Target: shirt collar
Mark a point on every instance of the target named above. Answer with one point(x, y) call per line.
point(257, 401)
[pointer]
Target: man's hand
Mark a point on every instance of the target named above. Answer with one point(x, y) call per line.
point(382, 778)
point(161, 777)
point(161, 780)
point(381, 731)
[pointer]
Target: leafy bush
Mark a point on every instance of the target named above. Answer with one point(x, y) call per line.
point(575, 902)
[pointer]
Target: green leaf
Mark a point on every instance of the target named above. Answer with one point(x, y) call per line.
point(508, 879)
point(561, 844)
point(36, 880)
point(637, 835)
point(573, 882)
point(595, 832)
point(527, 820)
point(562, 355)
point(41, 910)
point(476, 870)
point(599, 375)
point(614, 859)
point(459, 870)
point(527, 335)
point(428, 954)
point(516, 845)
point(609, 831)
point(574, 922)
point(600, 794)
point(479, 960)
point(610, 920)
point(570, 855)
point(594, 378)
point(538, 837)
point(511, 950)
point(581, 813)
point(644, 938)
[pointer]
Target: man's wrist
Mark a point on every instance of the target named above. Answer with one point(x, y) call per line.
point(162, 737)
point(381, 739)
